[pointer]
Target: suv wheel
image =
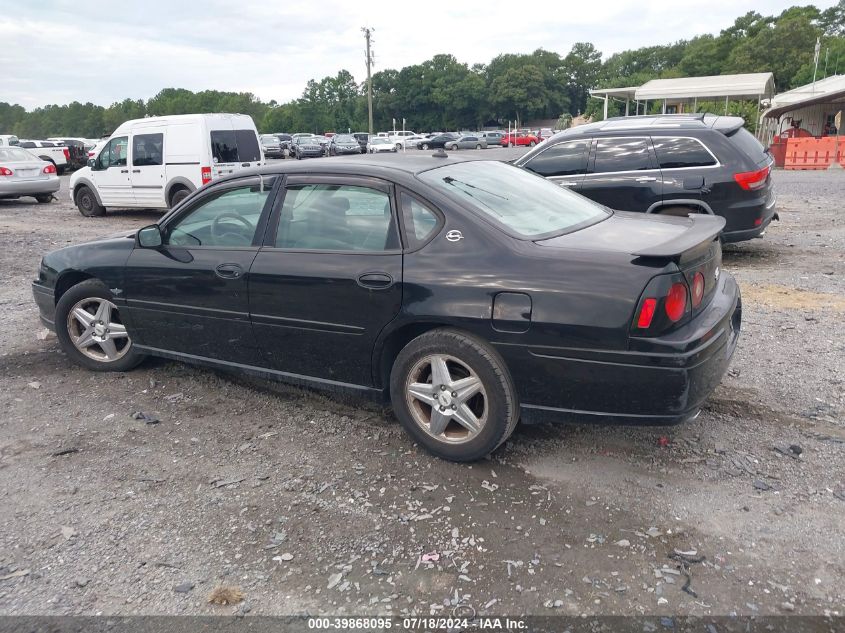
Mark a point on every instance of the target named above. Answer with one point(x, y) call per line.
point(87, 203)
point(90, 330)
point(453, 394)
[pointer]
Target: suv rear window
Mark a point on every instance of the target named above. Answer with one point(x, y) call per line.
point(678, 153)
point(232, 146)
point(748, 145)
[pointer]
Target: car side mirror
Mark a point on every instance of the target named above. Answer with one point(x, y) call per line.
point(150, 236)
point(91, 163)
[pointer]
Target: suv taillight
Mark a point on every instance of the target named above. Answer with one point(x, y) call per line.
point(206, 175)
point(753, 180)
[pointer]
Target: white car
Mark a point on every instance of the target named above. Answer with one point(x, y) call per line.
point(24, 174)
point(155, 163)
point(379, 144)
point(55, 153)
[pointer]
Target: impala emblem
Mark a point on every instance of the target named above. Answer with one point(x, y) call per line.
point(454, 235)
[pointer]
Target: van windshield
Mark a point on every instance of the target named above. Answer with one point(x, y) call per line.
point(232, 146)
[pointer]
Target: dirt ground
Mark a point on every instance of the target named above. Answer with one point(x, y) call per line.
point(310, 505)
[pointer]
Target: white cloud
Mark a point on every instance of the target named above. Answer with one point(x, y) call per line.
point(83, 50)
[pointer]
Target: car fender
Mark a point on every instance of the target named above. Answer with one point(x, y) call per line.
point(693, 202)
point(180, 181)
point(82, 180)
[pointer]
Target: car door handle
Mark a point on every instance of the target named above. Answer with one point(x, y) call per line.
point(646, 179)
point(124, 171)
point(229, 271)
point(136, 171)
point(375, 281)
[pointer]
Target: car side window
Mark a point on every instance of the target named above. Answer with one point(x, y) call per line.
point(147, 149)
point(678, 153)
point(114, 153)
point(420, 221)
point(223, 219)
point(563, 159)
point(621, 154)
point(336, 217)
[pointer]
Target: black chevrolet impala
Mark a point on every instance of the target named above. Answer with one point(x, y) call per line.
point(471, 293)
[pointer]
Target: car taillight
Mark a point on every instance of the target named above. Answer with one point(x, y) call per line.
point(49, 169)
point(697, 289)
point(66, 152)
point(752, 180)
point(646, 313)
point(676, 302)
point(206, 175)
point(5, 171)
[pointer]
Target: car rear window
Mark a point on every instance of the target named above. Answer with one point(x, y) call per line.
point(15, 154)
point(744, 140)
point(521, 202)
point(231, 146)
point(678, 153)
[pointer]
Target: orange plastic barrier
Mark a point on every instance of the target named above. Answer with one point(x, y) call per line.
point(812, 153)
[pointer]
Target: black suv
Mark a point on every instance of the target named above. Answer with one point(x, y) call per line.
point(671, 164)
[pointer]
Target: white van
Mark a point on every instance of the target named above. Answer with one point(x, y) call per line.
point(155, 163)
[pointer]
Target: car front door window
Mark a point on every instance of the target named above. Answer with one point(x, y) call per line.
point(223, 219)
point(114, 153)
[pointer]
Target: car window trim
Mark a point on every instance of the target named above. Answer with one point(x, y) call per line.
point(700, 142)
point(268, 243)
point(404, 233)
point(589, 151)
point(214, 190)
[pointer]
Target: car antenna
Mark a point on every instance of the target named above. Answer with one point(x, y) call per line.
point(440, 153)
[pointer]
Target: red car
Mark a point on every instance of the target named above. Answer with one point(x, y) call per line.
point(520, 139)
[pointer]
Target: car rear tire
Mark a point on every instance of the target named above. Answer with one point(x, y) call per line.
point(177, 195)
point(44, 198)
point(425, 145)
point(87, 203)
point(454, 395)
point(478, 146)
point(398, 146)
point(90, 330)
point(532, 144)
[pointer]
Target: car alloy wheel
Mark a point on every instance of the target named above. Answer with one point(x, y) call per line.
point(96, 331)
point(425, 145)
point(446, 398)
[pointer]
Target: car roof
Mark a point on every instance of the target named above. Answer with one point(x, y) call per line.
point(657, 123)
point(389, 167)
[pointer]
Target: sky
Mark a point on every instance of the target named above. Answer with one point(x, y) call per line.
point(58, 51)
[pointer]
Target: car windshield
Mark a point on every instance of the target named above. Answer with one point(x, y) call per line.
point(345, 139)
point(15, 154)
point(526, 204)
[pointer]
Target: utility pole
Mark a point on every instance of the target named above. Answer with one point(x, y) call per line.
point(367, 33)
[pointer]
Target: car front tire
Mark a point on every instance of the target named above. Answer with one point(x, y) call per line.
point(454, 395)
point(87, 203)
point(425, 145)
point(90, 330)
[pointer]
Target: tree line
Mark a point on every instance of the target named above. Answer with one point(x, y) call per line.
point(443, 93)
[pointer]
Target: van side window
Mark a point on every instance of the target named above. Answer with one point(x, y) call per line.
point(232, 146)
point(114, 153)
point(147, 149)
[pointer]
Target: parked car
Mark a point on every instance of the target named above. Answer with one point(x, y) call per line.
point(77, 151)
point(324, 143)
point(437, 141)
point(8, 139)
point(272, 146)
point(380, 144)
point(52, 152)
point(22, 173)
point(467, 142)
point(343, 144)
point(307, 147)
point(94, 151)
point(362, 138)
point(666, 164)
point(411, 141)
point(285, 141)
point(492, 138)
point(577, 323)
point(520, 139)
point(157, 162)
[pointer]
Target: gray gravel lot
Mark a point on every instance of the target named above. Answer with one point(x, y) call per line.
point(308, 504)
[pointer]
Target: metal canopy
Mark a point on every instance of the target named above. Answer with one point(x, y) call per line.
point(830, 90)
point(746, 86)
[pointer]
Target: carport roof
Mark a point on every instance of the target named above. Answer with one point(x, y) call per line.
point(745, 86)
point(829, 90)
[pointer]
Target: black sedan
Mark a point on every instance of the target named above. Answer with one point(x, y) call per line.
point(471, 293)
point(441, 140)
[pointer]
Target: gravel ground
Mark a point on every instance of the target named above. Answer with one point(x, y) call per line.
point(307, 504)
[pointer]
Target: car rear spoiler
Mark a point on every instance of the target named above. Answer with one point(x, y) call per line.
point(727, 125)
point(702, 231)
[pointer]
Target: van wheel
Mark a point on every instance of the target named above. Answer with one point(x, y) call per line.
point(454, 395)
point(87, 203)
point(177, 195)
point(680, 212)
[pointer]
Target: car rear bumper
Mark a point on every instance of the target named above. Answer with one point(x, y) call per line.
point(665, 381)
point(45, 300)
point(30, 187)
point(747, 221)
